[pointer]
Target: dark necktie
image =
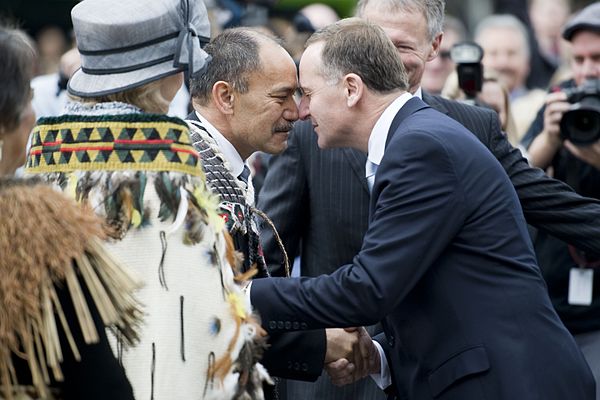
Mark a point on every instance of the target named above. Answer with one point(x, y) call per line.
point(245, 174)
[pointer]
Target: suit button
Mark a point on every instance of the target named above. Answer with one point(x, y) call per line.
point(288, 325)
point(279, 324)
point(272, 324)
point(303, 325)
point(304, 367)
point(391, 340)
point(296, 325)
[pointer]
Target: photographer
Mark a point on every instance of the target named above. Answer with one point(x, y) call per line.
point(570, 144)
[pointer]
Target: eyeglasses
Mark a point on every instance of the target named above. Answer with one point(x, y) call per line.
point(445, 55)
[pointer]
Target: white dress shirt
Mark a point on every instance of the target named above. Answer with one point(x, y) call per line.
point(379, 134)
point(231, 154)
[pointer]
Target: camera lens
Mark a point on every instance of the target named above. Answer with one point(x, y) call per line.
point(581, 126)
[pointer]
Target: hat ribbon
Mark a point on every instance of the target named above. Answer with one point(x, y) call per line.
point(188, 37)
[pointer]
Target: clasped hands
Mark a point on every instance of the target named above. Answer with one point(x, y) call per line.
point(351, 355)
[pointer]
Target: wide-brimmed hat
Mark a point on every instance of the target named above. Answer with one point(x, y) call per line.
point(128, 43)
point(587, 19)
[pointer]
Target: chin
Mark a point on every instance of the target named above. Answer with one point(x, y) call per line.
point(324, 144)
point(276, 149)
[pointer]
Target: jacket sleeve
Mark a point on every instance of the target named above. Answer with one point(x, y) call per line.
point(296, 355)
point(284, 194)
point(548, 204)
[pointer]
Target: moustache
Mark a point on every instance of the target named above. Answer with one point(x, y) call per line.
point(283, 127)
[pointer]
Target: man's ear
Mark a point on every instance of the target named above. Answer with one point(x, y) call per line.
point(223, 97)
point(353, 89)
point(435, 46)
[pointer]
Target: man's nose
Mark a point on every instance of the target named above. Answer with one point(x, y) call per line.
point(303, 108)
point(291, 111)
point(591, 69)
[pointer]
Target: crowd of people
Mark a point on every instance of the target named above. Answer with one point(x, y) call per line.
point(200, 201)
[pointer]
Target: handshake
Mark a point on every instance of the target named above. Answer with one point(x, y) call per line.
point(351, 355)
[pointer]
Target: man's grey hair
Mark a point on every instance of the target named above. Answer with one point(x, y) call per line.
point(432, 10)
point(504, 21)
point(354, 45)
point(235, 55)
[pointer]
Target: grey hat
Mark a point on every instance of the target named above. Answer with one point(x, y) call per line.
point(587, 19)
point(128, 43)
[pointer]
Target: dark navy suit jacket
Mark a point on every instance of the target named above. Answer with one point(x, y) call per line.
point(448, 267)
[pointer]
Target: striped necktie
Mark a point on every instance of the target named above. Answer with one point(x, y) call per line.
point(370, 170)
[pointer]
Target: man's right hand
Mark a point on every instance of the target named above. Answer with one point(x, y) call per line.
point(341, 343)
point(366, 361)
point(547, 143)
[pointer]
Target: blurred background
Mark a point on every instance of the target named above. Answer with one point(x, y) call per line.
point(543, 61)
point(48, 21)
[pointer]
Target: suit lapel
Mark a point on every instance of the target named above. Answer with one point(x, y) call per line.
point(412, 106)
point(357, 160)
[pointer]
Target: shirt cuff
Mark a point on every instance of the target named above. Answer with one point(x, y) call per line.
point(246, 291)
point(383, 379)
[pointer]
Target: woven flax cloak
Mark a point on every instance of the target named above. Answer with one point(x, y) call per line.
point(49, 245)
point(141, 174)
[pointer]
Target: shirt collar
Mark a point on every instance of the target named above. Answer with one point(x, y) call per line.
point(382, 126)
point(419, 93)
point(229, 152)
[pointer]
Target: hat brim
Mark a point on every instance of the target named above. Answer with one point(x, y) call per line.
point(83, 84)
point(570, 31)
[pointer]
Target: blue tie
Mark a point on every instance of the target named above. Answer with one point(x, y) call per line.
point(245, 174)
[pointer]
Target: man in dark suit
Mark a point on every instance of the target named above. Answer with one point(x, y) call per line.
point(243, 102)
point(446, 263)
point(318, 199)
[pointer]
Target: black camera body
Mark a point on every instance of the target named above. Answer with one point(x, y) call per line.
point(581, 124)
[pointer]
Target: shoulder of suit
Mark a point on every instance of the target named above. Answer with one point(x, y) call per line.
point(454, 106)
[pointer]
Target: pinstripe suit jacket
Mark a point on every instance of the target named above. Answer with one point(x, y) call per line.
point(319, 199)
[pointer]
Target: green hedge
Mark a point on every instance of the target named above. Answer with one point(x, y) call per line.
point(345, 8)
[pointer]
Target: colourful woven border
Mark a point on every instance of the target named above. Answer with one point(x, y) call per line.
point(69, 143)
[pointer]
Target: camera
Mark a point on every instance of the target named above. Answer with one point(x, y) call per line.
point(581, 124)
point(467, 57)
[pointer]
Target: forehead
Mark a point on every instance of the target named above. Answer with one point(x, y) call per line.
point(399, 25)
point(310, 65)
point(501, 37)
point(586, 42)
point(278, 70)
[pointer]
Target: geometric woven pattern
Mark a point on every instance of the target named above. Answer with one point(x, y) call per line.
point(235, 210)
point(132, 142)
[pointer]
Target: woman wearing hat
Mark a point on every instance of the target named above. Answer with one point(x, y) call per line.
point(115, 150)
point(52, 312)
